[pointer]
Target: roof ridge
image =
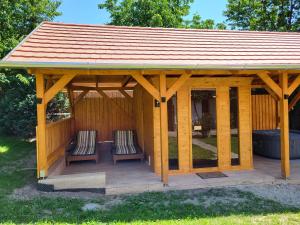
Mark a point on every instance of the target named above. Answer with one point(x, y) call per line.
point(170, 28)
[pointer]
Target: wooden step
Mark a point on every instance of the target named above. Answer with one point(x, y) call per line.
point(72, 182)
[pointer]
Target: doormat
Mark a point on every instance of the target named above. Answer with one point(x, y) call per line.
point(211, 175)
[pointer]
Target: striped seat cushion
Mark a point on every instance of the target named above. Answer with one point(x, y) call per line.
point(124, 142)
point(86, 142)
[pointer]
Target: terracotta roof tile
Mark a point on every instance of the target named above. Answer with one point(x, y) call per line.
point(134, 46)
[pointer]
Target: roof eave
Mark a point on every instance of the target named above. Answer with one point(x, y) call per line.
point(89, 66)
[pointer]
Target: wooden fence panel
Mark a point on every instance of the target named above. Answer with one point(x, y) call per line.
point(58, 135)
point(264, 112)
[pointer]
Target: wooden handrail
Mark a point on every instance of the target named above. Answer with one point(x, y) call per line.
point(58, 122)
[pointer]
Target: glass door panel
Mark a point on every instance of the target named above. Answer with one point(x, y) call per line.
point(234, 126)
point(204, 132)
point(172, 133)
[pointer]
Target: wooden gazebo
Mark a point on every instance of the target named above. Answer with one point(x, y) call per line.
point(134, 71)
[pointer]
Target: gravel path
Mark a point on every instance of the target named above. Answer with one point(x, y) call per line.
point(288, 194)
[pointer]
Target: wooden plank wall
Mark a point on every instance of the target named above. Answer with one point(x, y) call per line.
point(148, 105)
point(139, 114)
point(264, 112)
point(94, 112)
point(58, 136)
point(143, 114)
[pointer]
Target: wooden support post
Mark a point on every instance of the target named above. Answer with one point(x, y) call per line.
point(164, 129)
point(223, 128)
point(41, 127)
point(284, 127)
point(72, 105)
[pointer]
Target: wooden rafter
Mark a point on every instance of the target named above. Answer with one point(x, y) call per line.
point(125, 81)
point(294, 101)
point(58, 86)
point(81, 96)
point(294, 85)
point(177, 85)
point(146, 85)
point(270, 83)
point(125, 94)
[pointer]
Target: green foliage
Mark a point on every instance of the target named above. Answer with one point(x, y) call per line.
point(17, 90)
point(147, 13)
point(267, 15)
point(155, 13)
point(198, 23)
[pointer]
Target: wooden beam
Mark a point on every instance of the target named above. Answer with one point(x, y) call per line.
point(178, 84)
point(294, 85)
point(126, 95)
point(71, 100)
point(164, 129)
point(125, 81)
point(41, 127)
point(81, 88)
point(284, 127)
point(146, 85)
point(81, 96)
point(294, 101)
point(58, 86)
point(124, 72)
point(270, 83)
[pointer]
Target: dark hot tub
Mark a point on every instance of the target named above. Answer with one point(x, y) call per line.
point(267, 143)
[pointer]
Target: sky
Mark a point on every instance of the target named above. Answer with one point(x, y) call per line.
point(87, 12)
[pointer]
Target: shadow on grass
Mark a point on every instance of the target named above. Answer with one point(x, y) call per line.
point(17, 163)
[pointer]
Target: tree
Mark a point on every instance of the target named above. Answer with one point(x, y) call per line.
point(264, 15)
point(198, 23)
point(17, 89)
point(156, 13)
point(147, 13)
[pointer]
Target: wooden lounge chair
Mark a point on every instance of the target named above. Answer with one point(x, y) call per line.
point(125, 146)
point(84, 147)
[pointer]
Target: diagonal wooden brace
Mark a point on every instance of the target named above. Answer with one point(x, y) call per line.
point(271, 83)
point(58, 86)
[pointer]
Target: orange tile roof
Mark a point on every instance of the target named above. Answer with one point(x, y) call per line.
point(137, 47)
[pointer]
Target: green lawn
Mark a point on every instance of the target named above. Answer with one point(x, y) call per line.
point(211, 206)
